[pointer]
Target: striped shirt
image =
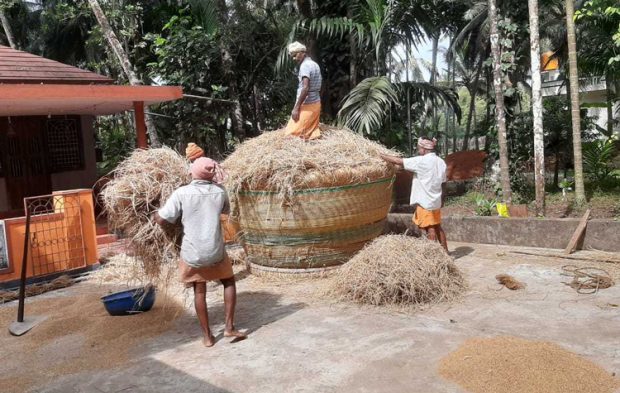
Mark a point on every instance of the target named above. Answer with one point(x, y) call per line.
point(309, 69)
point(199, 205)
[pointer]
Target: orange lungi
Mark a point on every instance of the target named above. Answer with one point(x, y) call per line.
point(307, 127)
point(189, 275)
point(426, 218)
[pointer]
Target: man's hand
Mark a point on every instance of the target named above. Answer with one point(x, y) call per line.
point(160, 220)
point(295, 114)
point(392, 159)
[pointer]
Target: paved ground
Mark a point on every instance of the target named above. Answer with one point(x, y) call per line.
point(302, 342)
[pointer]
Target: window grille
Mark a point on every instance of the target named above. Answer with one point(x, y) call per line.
point(64, 145)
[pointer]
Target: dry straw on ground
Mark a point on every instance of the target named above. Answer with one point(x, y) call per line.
point(399, 270)
point(273, 161)
point(140, 185)
point(509, 282)
point(37, 289)
point(77, 336)
point(511, 364)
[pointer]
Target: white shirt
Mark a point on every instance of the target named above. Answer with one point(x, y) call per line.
point(199, 204)
point(430, 173)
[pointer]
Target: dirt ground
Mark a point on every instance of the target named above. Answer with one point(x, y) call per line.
point(302, 341)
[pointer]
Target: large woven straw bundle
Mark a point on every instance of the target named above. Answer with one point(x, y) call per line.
point(308, 204)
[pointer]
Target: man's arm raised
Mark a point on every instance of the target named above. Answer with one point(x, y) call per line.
point(392, 159)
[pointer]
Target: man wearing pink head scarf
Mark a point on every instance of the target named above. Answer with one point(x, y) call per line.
point(203, 256)
point(427, 188)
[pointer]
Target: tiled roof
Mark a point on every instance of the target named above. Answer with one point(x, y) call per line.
point(22, 67)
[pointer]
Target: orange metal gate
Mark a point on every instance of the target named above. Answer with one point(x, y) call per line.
point(56, 234)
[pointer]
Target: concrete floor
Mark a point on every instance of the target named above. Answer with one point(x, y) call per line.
point(301, 342)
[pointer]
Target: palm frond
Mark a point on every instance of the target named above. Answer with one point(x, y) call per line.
point(436, 96)
point(205, 13)
point(367, 104)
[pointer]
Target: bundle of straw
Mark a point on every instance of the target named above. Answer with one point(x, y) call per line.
point(275, 162)
point(398, 270)
point(141, 184)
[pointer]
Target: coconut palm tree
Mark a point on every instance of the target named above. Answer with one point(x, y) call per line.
point(500, 113)
point(580, 195)
point(537, 110)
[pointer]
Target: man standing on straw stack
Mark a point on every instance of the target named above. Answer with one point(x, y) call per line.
point(304, 121)
point(427, 188)
point(203, 256)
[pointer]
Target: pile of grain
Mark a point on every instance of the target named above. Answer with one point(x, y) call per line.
point(510, 364)
point(399, 270)
point(141, 184)
point(78, 336)
point(275, 162)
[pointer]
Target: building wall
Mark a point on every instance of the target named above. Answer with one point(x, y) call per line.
point(591, 91)
point(87, 177)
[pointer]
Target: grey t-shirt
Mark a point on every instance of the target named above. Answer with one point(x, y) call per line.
point(199, 204)
point(308, 68)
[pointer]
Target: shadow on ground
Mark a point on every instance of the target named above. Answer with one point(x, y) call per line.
point(461, 252)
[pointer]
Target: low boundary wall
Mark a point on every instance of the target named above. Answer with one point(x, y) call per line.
point(600, 234)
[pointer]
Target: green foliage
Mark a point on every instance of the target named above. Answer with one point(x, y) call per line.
point(366, 106)
point(600, 20)
point(485, 207)
point(597, 160)
point(115, 137)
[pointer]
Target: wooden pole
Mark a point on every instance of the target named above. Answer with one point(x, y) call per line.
point(22, 280)
point(138, 107)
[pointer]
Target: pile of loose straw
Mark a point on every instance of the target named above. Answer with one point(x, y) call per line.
point(141, 184)
point(275, 162)
point(399, 270)
point(37, 289)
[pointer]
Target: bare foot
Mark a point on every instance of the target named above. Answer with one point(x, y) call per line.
point(235, 333)
point(208, 341)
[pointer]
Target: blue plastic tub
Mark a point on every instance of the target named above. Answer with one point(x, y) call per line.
point(129, 302)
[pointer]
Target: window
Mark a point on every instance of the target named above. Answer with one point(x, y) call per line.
point(64, 141)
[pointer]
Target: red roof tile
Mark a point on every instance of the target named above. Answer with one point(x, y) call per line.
point(22, 67)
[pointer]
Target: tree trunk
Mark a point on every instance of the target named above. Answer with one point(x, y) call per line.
point(580, 195)
point(556, 170)
point(8, 31)
point(500, 111)
point(353, 54)
point(487, 140)
point(447, 111)
point(537, 112)
point(434, 76)
point(123, 59)
point(476, 136)
point(236, 115)
point(472, 106)
point(610, 105)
